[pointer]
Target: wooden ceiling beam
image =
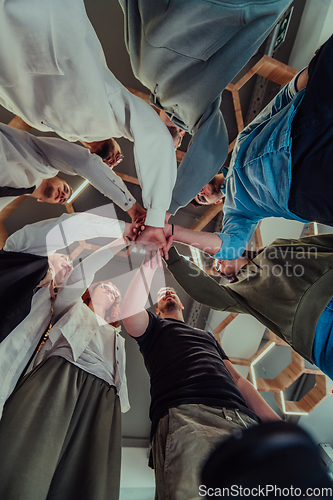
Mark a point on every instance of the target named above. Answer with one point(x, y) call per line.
point(217, 330)
point(207, 217)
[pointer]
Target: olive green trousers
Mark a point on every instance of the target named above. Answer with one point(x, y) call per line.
point(60, 436)
point(183, 441)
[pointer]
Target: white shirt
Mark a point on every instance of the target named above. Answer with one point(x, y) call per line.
point(44, 238)
point(94, 346)
point(25, 160)
point(74, 93)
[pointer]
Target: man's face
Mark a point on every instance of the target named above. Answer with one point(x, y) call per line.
point(168, 300)
point(209, 195)
point(62, 266)
point(231, 267)
point(55, 190)
point(109, 150)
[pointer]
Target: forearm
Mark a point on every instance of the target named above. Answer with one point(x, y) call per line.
point(107, 182)
point(155, 159)
point(207, 242)
point(137, 293)
point(46, 237)
point(199, 285)
point(206, 153)
point(255, 401)
point(84, 274)
point(74, 159)
point(85, 271)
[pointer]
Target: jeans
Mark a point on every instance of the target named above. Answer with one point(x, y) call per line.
point(312, 143)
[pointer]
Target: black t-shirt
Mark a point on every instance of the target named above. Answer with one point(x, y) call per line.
point(186, 366)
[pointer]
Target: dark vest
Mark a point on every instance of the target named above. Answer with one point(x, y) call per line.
point(10, 191)
point(20, 274)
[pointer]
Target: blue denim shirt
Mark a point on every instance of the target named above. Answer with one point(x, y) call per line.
point(322, 348)
point(259, 177)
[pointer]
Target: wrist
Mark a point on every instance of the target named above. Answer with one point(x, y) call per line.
point(168, 230)
point(132, 211)
point(175, 232)
point(127, 231)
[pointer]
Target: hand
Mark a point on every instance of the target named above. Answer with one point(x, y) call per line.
point(153, 259)
point(155, 235)
point(153, 255)
point(131, 231)
point(137, 213)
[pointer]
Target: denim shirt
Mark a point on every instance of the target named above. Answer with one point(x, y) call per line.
point(259, 177)
point(322, 348)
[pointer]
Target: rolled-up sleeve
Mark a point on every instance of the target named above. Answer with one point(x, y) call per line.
point(237, 232)
point(74, 159)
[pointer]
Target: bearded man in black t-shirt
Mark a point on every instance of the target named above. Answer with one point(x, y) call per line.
point(197, 397)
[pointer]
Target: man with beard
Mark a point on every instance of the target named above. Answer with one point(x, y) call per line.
point(212, 193)
point(281, 165)
point(197, 396)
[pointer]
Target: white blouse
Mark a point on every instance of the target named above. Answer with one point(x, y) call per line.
point(90, 343)
point(82, 337)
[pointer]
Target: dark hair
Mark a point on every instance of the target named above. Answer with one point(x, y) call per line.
point(104, 150)
point(216, 189)
point(248, 254)
point(113, 313)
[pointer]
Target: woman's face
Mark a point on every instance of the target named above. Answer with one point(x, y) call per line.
point(104, 295)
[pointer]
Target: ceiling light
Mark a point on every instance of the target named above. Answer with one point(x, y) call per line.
point(78, 191)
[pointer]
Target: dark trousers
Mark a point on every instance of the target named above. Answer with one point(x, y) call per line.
point(60, 436)
point(311, 194)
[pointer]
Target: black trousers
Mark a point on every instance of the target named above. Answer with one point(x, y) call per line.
point(311, 194)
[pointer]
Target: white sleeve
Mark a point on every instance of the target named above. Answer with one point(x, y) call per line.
point(154, 153)
point(46, 237)
point(72, 159)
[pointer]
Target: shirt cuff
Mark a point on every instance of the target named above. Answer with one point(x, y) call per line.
point(229, 250)
point(155, 217)
point(127, 204)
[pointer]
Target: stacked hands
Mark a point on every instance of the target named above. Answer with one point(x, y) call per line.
point(156, 241)
point(152, 238)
